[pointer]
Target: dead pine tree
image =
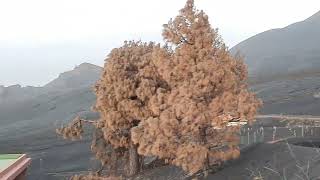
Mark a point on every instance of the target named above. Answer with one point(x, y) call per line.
point(174, 102)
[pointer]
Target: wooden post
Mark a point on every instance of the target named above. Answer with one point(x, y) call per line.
point(274, 133)
point(262, 134)
point(248, 136)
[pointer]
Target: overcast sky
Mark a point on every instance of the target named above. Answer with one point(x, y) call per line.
point(40, 38)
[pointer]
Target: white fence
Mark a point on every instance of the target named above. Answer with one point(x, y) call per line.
point(251, 135)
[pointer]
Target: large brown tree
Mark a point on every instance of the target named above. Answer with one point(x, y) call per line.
point(175, 102)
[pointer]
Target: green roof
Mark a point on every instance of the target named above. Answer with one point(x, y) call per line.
point(6, 160)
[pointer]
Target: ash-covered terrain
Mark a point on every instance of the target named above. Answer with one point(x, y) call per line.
point(30, 115)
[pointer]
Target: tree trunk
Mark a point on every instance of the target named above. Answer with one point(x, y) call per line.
point(203, 137)
point(134, 163)
point(114, 164)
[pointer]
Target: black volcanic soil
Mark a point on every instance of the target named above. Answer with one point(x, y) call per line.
point(273, 161)
point(278, 161)
point(54, 158)
point(29, 126)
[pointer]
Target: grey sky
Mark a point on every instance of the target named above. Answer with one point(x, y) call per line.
point(40, 38)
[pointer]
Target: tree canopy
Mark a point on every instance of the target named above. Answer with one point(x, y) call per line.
point(174, 101)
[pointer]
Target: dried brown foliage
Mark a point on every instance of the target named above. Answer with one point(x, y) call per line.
point(205, 89)
point(73, 131)
point(174, 101)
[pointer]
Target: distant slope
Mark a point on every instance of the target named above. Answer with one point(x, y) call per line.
point(84, 75)
point(17, 93)
point(276, 53)
point(30, 115)
point(284, 67)
point(59, 100)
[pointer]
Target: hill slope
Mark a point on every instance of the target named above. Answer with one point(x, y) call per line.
point(83, 76)
point(281, 52)
point(284, 67)
point(30, 115)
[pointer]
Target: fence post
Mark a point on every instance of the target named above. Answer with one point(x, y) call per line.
point(262, 134)
point(40, 168)
point(248, 136)
point(241, 138)
point(302, 131)
point(274, 133)
point(254, 137)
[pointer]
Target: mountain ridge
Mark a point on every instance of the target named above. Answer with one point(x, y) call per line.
point(315, 16)
point(277, 52)
point(82, 76)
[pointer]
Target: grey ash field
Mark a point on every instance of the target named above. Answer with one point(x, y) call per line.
point(29, 126)
point(286, 76)
point(28, 123)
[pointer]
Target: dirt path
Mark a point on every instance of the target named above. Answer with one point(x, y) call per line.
point(293, 117)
